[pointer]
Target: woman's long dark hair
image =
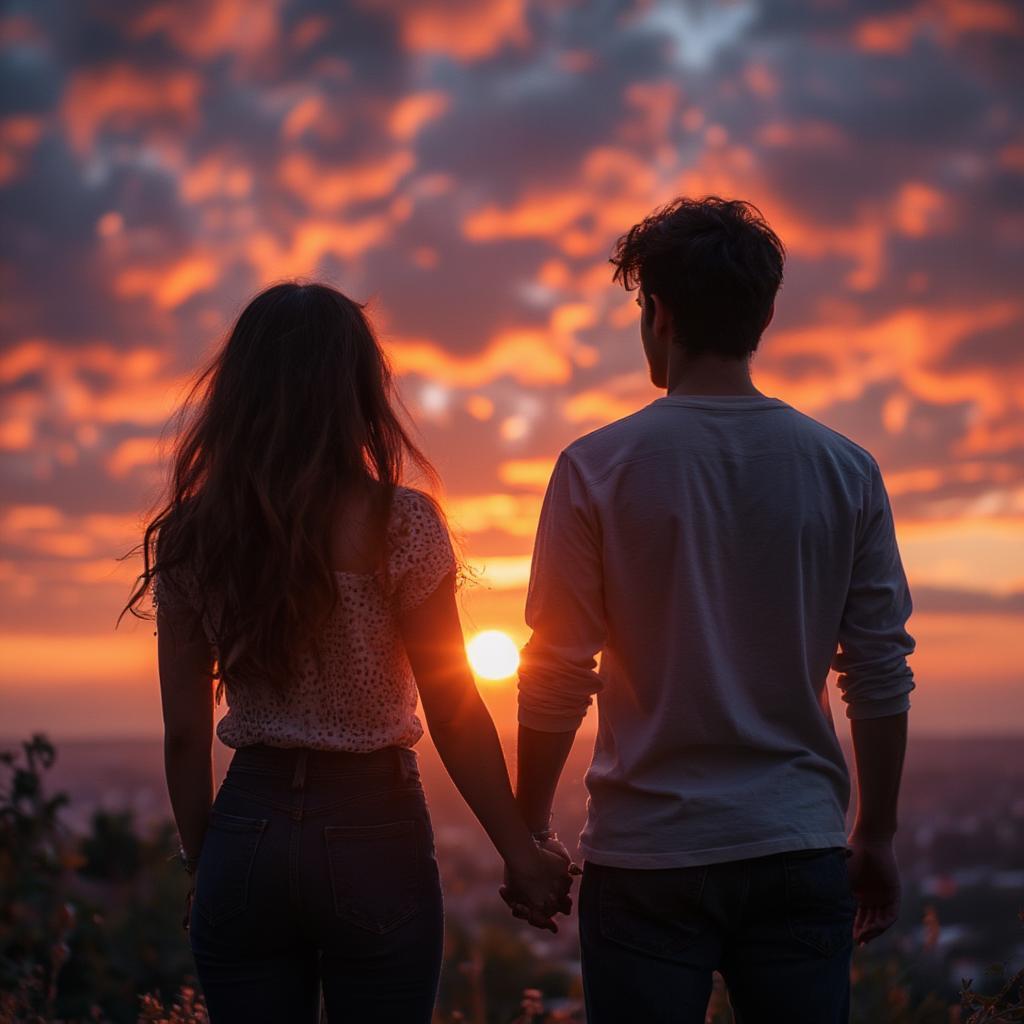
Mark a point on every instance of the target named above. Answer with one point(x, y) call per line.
point(293, 412)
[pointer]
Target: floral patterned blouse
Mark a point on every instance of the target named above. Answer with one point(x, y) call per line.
point(366, 698)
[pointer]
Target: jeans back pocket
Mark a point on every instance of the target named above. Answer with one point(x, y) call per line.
point(225, 865)
point(655, 911)
point(820, 904)
point(377, 872)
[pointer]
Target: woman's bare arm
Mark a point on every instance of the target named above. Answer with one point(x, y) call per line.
point(465, 737)
point(186, 693)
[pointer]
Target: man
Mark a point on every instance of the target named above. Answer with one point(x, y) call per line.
point(722, 551)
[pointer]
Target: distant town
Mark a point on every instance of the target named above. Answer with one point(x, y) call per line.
point(960, 847)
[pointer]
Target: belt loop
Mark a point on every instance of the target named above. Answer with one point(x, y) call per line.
point(403, 766)
point(299, 778)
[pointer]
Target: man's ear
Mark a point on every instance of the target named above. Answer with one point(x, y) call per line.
point(661, 323)
point(768, 319)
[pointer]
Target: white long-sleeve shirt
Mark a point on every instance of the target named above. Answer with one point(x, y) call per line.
point(722, 553)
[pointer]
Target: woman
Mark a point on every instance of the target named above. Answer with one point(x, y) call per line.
point(291, 566)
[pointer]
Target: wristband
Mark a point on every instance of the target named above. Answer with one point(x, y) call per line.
point(188, 863)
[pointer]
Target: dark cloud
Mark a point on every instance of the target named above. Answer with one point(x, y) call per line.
point(818, 127)
point(945, 600)
point(998, 347)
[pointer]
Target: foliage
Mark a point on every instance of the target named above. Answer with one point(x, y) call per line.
point(35, 857)
point(1006, 1005)
point(113, 852)
point(85, 923)
point(88, 922)
point(186, 1008)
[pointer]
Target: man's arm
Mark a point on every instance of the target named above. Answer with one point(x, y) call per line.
point(565, 610)
point(876, 682)
point(879, 745)
point(542, 757)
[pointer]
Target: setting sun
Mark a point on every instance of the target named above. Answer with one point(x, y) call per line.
point(493, 654)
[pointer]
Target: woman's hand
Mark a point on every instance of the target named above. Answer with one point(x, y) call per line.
point(539, 889)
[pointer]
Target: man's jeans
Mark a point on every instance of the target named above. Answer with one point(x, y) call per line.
point(779, 929)
point(318, 868)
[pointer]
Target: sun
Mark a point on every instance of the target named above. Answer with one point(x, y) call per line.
point(493, 654)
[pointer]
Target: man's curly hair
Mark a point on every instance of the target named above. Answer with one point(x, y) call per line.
point(714, 262)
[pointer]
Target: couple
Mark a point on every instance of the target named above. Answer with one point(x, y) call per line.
point(721, 550)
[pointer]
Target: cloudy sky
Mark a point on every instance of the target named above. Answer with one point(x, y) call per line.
point(466, 167)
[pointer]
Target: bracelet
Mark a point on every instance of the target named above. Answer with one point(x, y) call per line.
point(188, 863)
point(545, 836)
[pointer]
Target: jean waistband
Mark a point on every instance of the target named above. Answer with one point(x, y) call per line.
point(296, 763)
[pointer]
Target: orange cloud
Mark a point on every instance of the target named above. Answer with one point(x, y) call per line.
point(480, 407)
point(1012, 157)
point(16, 434)
point(310, 30)
point(965, 550)
point(306, 113)
point(65, 415)
point(134, 453)
point(503, 572)
point(806, 134)
point(203, 29)
point(537, 216)
point(531, 473)
point(981, 16)
point(169, 286)
point(46, 530)
point(515, 514)
point(653, 109)
point(530, 355)
point(947, 19)
point(309, 241)
point(862, 242)
point(920, 209)
point(929, 479)
point(614, 399)
point(524, 354)
point(216, 175)
point(333, 188)
point(468, 30)
point(614, 188)
point(126, 98)
point(18, 137)
point(887, 33)
point(414, 111)
point(85, 658)
point(761, 80)
point(902, 346)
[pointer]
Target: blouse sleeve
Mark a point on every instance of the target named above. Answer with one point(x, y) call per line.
point(423, 553)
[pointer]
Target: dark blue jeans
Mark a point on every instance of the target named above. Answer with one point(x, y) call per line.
point(318, 869)
point(779, 929)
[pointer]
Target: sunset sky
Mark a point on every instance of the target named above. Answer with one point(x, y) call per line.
point(466, 167)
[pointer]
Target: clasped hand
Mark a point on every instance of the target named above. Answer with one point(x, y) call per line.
point(538, 891)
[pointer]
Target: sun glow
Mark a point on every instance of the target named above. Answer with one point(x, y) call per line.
point(493, 654)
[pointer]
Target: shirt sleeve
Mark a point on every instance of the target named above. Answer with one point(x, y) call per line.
point(564, 608)
point(871, 656)
point(424, 554)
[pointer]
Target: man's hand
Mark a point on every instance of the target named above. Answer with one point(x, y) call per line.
point(875, 880)
point(514, 893)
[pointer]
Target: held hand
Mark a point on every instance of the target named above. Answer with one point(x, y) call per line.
point(555, 845)
point(875, 881)
point(537, 891)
